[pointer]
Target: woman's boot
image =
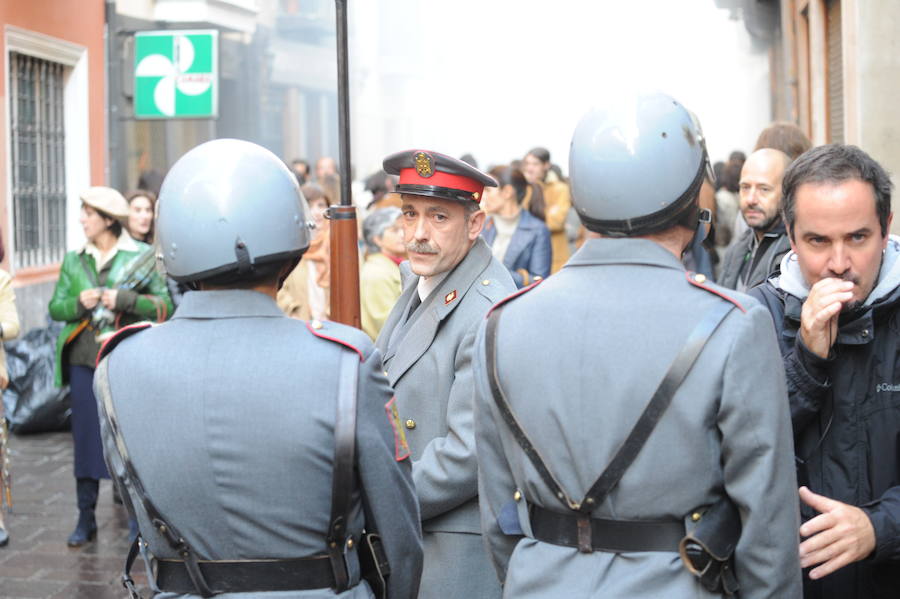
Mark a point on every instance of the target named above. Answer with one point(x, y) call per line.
point(86, 529)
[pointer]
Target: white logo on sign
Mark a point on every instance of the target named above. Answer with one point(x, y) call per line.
point(173, 77)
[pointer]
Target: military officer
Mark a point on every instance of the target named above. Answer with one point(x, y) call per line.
point(222, 424)
point(450, 281)
point(653, 421)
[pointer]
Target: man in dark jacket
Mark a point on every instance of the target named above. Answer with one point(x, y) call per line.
point(836, 306)
point(757, 252)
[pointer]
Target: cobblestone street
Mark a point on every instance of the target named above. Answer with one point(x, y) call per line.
point(37, 563)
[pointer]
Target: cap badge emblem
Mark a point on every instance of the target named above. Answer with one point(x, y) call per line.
point(424, 164)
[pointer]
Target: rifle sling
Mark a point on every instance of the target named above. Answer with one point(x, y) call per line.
point(344, 462)
point(164, 527)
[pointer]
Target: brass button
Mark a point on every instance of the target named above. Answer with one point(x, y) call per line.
point(700, 278)
point(316, 324)
point(349, 543)
point(486, 282)
point(385, 373)
point(695, 516)
point(410, 424)
point(517, 496)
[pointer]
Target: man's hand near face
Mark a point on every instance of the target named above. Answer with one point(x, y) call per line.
point(819, 317)
point(840, 535)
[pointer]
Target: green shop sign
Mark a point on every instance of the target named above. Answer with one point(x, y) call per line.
point(176, 74)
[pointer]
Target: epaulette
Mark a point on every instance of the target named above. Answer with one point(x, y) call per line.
point(119, 336)
point(513, 296)
point(699, 280)
point(335, 333)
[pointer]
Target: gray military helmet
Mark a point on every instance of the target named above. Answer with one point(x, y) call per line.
point(228, 206)
point(637, 167)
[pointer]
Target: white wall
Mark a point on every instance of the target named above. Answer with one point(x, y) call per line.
point(496, 78)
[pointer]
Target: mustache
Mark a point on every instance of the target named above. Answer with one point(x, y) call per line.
point(845, 276)
point(421, 247)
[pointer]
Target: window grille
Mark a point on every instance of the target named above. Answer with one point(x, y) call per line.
point(38, 160)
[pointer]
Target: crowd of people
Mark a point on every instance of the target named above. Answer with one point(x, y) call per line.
point(529, 227)
point(753, 304)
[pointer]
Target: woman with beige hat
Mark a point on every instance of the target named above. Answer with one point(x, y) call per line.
point(109, 283)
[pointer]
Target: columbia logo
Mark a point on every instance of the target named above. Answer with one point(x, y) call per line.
point(887, 388)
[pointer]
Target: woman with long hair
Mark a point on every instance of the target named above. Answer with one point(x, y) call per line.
point(537, 168)
point(107, 284)
point(517, 238)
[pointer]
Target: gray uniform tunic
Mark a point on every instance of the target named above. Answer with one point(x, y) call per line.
point(579, 357)
point(228, 413)
point(428, 360)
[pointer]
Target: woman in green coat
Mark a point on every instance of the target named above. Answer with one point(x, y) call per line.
point(109, 283)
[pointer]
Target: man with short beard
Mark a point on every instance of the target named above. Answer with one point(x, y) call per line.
point(756, 254)
point(836, 308)
point(451, 279)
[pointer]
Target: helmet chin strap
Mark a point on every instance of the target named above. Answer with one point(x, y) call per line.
point(696, 219)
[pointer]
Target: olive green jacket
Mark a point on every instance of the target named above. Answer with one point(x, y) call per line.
point(150, 301)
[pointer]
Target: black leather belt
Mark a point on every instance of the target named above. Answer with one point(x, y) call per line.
point(244, 576)
point(615, 536)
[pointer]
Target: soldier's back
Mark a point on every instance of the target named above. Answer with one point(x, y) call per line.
point(228, 414)
point(579, 358)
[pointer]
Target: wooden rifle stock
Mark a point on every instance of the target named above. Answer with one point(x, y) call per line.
point(344, 248)
point(344, 266)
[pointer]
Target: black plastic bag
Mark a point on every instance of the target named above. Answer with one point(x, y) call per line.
point(33, 403)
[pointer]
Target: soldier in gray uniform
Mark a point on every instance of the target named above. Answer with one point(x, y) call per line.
point(450, 282)
point(224, 426)
point(631, 420)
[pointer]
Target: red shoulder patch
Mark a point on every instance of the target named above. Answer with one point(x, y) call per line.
point(123, 333)
point(699, 280)
point(315, 327)
point(513, 296)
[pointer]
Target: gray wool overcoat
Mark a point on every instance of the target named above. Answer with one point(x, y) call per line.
point(579, 357)
point(428, 361)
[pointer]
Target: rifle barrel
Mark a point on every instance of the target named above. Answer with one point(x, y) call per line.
point(343, 99)
point(344, 298)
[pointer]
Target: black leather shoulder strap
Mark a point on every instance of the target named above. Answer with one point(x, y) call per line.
point(163, 526)
point(660, 401)
point(638, 436)
point(502, 403)
point(344, 463)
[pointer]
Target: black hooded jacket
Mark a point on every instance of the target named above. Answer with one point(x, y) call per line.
point(846, 419)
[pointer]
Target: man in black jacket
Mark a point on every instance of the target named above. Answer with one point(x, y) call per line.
point(836, 306)
point(756, 253)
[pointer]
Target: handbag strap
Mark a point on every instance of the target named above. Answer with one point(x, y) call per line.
point(638, 436)
point(91, 274)
point(344, 462)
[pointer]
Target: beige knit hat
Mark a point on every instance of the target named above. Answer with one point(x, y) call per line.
point(106, 200)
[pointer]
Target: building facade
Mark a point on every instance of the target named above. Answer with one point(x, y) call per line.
point(52, 137)
point(835, 70)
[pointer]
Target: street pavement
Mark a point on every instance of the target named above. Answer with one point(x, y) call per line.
point(37, 564)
